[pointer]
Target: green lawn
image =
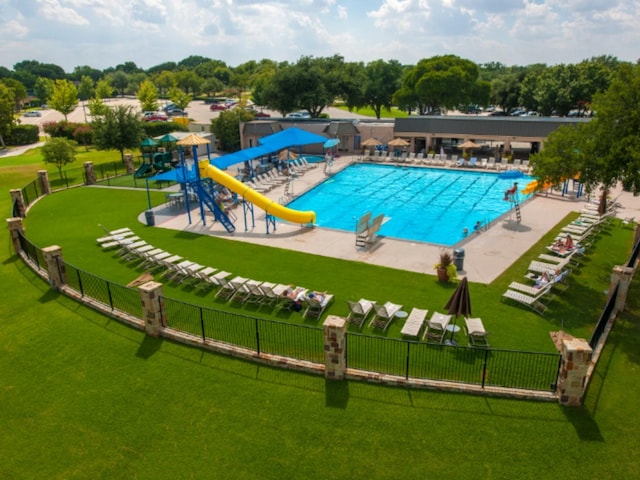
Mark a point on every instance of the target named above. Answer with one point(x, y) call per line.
point(83, 396)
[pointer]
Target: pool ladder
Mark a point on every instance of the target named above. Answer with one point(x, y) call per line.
point(516, 205)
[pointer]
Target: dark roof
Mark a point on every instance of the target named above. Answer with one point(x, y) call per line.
point(341, 128)
point(497, 126)
point(261, 128)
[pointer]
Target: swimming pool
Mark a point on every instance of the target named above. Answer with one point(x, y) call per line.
point(314, 158)
point(423, 204)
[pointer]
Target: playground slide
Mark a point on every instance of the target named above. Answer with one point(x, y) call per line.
point(142, 170)
point(270, 206)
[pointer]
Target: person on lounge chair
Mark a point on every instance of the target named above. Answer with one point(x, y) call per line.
point(317, 296)
point(568, 242)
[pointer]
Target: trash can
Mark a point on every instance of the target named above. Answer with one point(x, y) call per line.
point(458, 259)
point(151, 219)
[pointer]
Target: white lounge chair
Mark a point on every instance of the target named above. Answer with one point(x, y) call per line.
point(414, 323)
point(384, 314)
point(476, 334)
point(437, 327)
point(359, 311)
point(315, 307)
point(530, 301)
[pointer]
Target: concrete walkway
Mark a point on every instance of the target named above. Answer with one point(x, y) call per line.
point(487, 254)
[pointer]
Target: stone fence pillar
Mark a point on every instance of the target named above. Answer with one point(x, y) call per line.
point(128, 162)
point(335, 353)
point(18, 200)
point(16, 229)
point(89, 173)
point(153, 312)
point(55, 266)
point(43, 180)
point(620, 276)
point(576, 360)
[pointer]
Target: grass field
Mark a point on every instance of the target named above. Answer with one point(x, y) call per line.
point(83, 396)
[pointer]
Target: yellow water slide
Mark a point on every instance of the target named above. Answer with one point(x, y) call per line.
point(270, 206)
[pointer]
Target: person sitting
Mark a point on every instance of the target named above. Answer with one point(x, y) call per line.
point(542, 280)
point(511, 191)
point(568, 242)
point(317, 296)
point(295, 295)
point(478, 226)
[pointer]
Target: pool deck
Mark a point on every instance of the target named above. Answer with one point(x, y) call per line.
point(487, 254)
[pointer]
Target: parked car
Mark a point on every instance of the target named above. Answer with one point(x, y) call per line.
point(261, 115)
point(155, 117)
point(301, 114)
point(176, 112)
point(531, 114)
point(498, 113)
point(32, 113)
point(218, 106)
point(169, 106)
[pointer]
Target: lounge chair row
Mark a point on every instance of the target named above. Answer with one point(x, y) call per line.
point(435, 329)
point(176, 269)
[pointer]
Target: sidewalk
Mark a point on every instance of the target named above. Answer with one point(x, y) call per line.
point(15, 151)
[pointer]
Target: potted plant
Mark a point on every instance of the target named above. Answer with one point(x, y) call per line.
point(445, 268)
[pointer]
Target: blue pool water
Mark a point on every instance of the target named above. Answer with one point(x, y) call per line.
point(422, 204)
point(314, 158)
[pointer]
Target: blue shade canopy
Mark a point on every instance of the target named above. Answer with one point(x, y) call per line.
point(241, 156)
point(179, 175)
point(291, 137)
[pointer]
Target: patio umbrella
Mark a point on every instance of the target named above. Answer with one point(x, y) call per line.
point(459, 303)
point(398, 142)
point(371, 142)
point(332, 142)
point(468, 144)
point(148, 142)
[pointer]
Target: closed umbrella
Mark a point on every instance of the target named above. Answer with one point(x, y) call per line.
point(460, 303)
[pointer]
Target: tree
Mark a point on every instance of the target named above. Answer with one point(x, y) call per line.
point(118, 128)
point(7, 119)
point(43, 89)
point(97, 108)
point(64, 97)
point(226, 128)
point(148, 96)
point(165, 81)
point(18, 91)
point(604, 150)
point(188, 81)
point(59, 151)
point(85, 88)
point(120, 81)
point(104, 89)
point(441, 81)
point(383, 80)
point(179, 98)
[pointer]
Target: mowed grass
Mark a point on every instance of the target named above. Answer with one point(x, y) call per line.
point(83, 396)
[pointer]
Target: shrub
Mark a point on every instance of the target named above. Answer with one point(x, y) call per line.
point(23, 135)
point(62, 129)
point(83, 134)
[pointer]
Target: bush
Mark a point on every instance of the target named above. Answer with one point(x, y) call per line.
point(62, 129)
point(156, 129)
point(23, 135)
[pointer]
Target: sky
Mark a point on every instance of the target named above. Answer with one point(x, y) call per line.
point(105, 33)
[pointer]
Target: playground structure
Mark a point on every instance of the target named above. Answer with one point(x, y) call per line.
point(157, 156)
point(199, 180)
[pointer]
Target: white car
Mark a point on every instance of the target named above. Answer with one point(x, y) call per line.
point(32, 113)
point(301, 114)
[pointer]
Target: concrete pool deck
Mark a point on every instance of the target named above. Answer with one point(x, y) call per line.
point(487, 254)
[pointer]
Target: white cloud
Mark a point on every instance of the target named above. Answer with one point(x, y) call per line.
point(104, 33)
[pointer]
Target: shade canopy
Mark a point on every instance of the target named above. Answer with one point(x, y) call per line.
point(398, 142)
point(468, 144)
point(460, 304)
point(193, 139)
point(290, 137)
point(371, 142)
point(148, 142)
point(168, 138)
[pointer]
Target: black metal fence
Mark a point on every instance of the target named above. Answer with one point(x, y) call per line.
point(262, 335)
point(31, 192)
point(479, 366)
point(32, 252)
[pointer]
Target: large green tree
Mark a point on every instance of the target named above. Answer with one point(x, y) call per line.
point(604, 150)
point(43, 89)
point(119, 129)
point(383, 79)
point(64, 97)
point(226, 128)
point(440, 82)
point(59, 151)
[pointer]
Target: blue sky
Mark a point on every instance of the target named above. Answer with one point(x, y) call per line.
point(104, 33)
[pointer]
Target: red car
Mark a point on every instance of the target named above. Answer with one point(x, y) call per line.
point(218, 106)
point(261, 115)
point(155, 117)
